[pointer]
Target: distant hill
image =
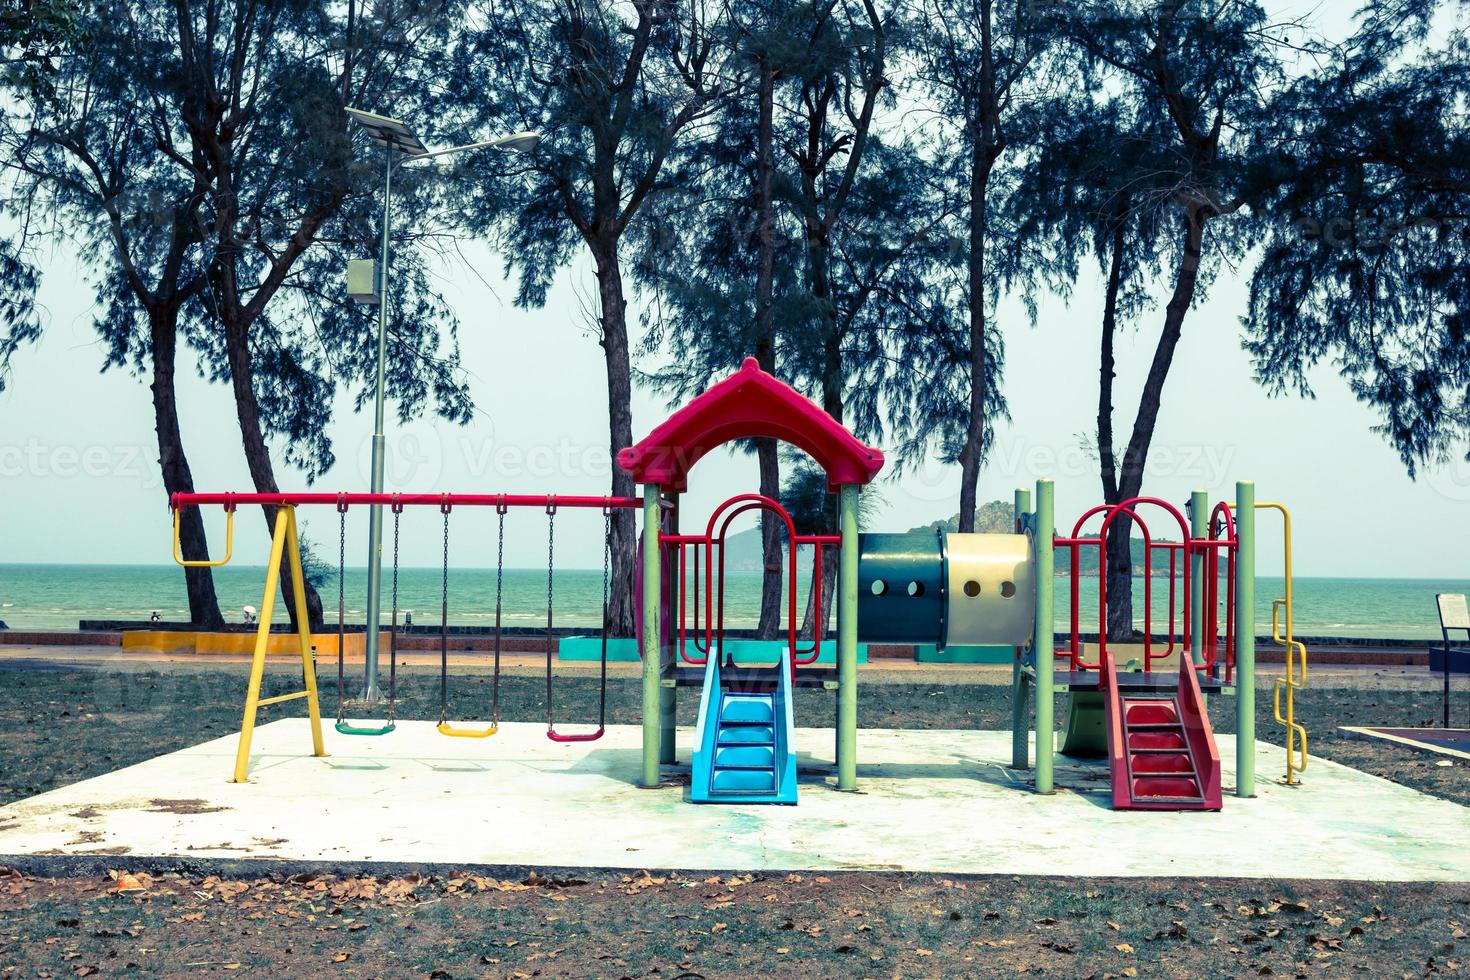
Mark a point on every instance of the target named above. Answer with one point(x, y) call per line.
point(743, 550)
point(996, 517)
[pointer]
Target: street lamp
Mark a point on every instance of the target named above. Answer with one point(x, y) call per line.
point(400, 145)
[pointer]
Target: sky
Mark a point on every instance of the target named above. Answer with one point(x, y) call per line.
point(79, 479)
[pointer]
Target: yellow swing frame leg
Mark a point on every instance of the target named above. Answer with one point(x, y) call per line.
point(285, 535)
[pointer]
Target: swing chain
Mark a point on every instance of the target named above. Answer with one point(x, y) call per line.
point(550, 598)
point(341, 610)
point(551, 732)
point(606, 611)
point(393, 636)
point(444, 624)
point(499, 583)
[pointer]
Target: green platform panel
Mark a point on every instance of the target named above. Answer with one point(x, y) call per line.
point(622, 649)
point(1086, 734)
point(928, 653)
point(901, 588)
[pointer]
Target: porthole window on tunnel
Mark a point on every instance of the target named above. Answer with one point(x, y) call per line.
point(879, 587)
point(1008, 589)
point(916, 589)
point(972, 588)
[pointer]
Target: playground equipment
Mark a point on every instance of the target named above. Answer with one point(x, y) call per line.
point(343, 726)
point(286, 542)
point(1454, 614)
point(1150, 724)
point(744, 741)
point(445, 727)
point(1145, 713)
point(551, 731)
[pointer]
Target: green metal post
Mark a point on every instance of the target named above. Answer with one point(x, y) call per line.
point(847, 625)
point(651, 656)
point(1044, 645)
point(668, 695)
point(1245, 640)
point(1199, 527)
point(1020, 749)
point(370, 690)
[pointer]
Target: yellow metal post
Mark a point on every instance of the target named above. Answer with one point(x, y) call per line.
point(303, 631)
point(1296, 659)
point(285, 530)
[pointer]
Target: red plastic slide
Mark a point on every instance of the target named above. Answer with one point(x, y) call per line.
point(1160, 745)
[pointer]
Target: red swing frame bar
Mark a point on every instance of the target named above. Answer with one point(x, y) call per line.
point(232, 500)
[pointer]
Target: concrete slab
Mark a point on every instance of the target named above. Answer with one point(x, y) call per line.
point(938, 801)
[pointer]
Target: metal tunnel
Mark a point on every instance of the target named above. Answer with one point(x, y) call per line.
point(946, 588)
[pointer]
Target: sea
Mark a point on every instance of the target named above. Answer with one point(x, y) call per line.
point(58, 597)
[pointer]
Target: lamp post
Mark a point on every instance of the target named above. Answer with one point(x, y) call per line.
point(400, 145)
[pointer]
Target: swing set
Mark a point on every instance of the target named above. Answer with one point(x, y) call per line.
point(286, 547)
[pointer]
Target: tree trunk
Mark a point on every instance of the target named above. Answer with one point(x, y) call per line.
point(177, 478)
point(973, 450)
point(620, 431)
point(830, 558)
point(1119, 552)
point(765, 355)
point(773, 532)
point(1120, 581)
point(258, 457)
point(1186, 281)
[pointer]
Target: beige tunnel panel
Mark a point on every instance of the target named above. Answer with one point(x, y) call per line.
point(992, 589)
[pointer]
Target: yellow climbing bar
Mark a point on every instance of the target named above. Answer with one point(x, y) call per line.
point(229, 543)
point(1295, 676)
point(279, 698)
point(285, 541)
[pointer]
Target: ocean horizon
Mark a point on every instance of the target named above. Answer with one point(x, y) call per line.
point(40, 596)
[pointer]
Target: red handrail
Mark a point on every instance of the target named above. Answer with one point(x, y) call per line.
point(1221, 521)
point(711, 637)
point(749, 502)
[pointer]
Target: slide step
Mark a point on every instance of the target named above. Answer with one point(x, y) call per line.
point(745, 757)
point(1172, 764)
point(750, 710)
point(746, 734)
point(743, 781)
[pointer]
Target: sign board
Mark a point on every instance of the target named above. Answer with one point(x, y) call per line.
point(1453, 612)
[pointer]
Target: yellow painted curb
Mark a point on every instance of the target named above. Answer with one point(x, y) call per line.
point(238, 644)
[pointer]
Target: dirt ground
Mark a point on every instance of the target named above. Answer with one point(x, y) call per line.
point(60, 726)
point(679, 926)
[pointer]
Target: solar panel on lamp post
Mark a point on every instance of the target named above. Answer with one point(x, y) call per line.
point(400, 145)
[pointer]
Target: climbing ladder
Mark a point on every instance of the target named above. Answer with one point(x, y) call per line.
point(1161, 748)
point(743, 750)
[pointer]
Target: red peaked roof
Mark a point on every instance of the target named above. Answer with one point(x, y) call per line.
point(747, 404)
